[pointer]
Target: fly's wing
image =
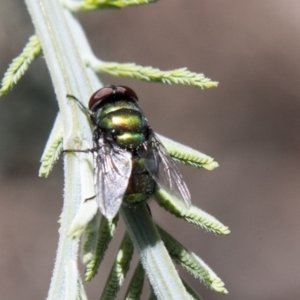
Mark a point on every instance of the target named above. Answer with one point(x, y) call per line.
point(112, 171)
point(163, 169)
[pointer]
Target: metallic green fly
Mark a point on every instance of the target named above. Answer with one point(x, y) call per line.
point(129, 159)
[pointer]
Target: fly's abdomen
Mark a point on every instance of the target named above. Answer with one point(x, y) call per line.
point(141, 185)
point(127, 126)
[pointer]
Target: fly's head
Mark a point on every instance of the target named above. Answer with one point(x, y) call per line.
point(110, 94)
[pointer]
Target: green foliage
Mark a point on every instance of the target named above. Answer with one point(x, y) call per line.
point(20, 64)
point(187, 155)
point(153, 254)
point(192, 263)
point(180, 76)
point(101, 4)
point(53, 149)
point(192, 215)
point(119, 269)
point(95, 243)
point(135, 287)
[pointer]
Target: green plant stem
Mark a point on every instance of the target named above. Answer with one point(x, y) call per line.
point(69, 76)
point(155, 258)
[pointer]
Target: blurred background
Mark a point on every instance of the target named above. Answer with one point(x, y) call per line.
point(249, 124)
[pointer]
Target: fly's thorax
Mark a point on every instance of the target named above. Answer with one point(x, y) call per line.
point(115, 106)
point(125, 122)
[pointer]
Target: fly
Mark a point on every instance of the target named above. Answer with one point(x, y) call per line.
point(130, 162)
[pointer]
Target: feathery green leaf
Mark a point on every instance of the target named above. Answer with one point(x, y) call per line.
point(53, 149)
point(119, 269)
point(95, 243)
point(81, 295)
point(188, 155)
point(192, 215)
point(20, 64)
point(135, 287)
point(192, 263)
point(101, 4)
point(180, 76)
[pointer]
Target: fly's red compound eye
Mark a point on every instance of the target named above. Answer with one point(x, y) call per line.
point(99, 96)
point(110, 91)
point(126, 91)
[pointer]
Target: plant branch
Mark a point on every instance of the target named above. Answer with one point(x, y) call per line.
point(69, 76)
point(154, 256)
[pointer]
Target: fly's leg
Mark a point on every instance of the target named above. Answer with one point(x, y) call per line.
point(149, 210)
point(76, 150)
point(91, 150)
point(90, 198)
point(81, 105)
